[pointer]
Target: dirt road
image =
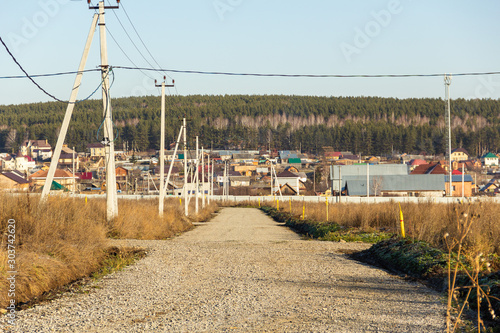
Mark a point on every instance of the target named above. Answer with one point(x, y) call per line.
point(242, 272)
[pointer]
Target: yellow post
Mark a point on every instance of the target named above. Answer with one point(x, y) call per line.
point(290, 202)
point(402, 221)
point(180, 201)
point(303, 210)
point(259, 202)
point(326, 201)
point(85, 199)
point(278, 204)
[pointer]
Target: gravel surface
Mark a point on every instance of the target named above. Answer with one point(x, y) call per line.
point(242, 272)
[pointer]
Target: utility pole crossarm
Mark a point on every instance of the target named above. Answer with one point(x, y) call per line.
point(105, 7)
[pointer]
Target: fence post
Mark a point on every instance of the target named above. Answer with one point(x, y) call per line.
point(326, 201)
point(402, 221)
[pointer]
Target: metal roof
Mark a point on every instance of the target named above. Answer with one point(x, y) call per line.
point(356, 185)
point(458, 178)
point(15, 177)
point(360, 171)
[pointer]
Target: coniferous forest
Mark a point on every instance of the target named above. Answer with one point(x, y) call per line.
point(367, 125)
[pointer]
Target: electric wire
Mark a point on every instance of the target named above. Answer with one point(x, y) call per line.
point(108, 102)
point(143, 44)
point(50, 74)
point(121, 49)
point(27, 75)
point(309, 75)
point(142, 41)
point(125, 53)
point(130, 38)
point(30, 77)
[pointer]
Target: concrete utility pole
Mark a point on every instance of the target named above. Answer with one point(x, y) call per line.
point(212, 180)
point(447, 82)
point(197, 184)
point(108, 140)
point(69, 112)
point(202, 178)
point(186, 207)
point(161, 161)
point(74, 180)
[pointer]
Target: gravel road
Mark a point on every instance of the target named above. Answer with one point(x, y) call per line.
point(242, 272)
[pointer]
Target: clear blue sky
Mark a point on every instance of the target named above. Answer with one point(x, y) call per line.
point(286, 36)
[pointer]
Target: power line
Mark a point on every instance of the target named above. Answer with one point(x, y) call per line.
point(124, 53)
point(131, 40)
point(49, 75)
point(27, 75)
point(121, 49)
point(143, 44)
point(46, 75)
point(142, 69)
point(306, 75)
point(142, 41)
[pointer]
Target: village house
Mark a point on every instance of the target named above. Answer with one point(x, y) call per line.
point(461, 184)
point(434, 168)
point(96, 149)
point(385, 180)
point(395, 185)
point(459, 154)
point(414, 163)
point(62, 177)
point(24, 163)
point(239, 181)
point(13, 181)
point(491, 187)
point(468, 165)
point(243, 158)
point(489, 160)
point(66, 161)
point(8, 163)
point(289, 157)
point(331, 156)
point(245, 170)
point(291, 179)
point(36, 149)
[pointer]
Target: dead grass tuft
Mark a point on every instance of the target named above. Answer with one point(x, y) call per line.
point(423, 221)
point(56, 243)
point(65, 239)
point(140, 220)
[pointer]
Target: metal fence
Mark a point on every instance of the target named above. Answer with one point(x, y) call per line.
point(312, 199)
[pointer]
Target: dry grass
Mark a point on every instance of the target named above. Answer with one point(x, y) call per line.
point(140, 220)
point(55, 244)
point(424, 221)
point(65, 239)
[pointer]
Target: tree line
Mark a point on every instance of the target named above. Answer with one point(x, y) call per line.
point(367, 125)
